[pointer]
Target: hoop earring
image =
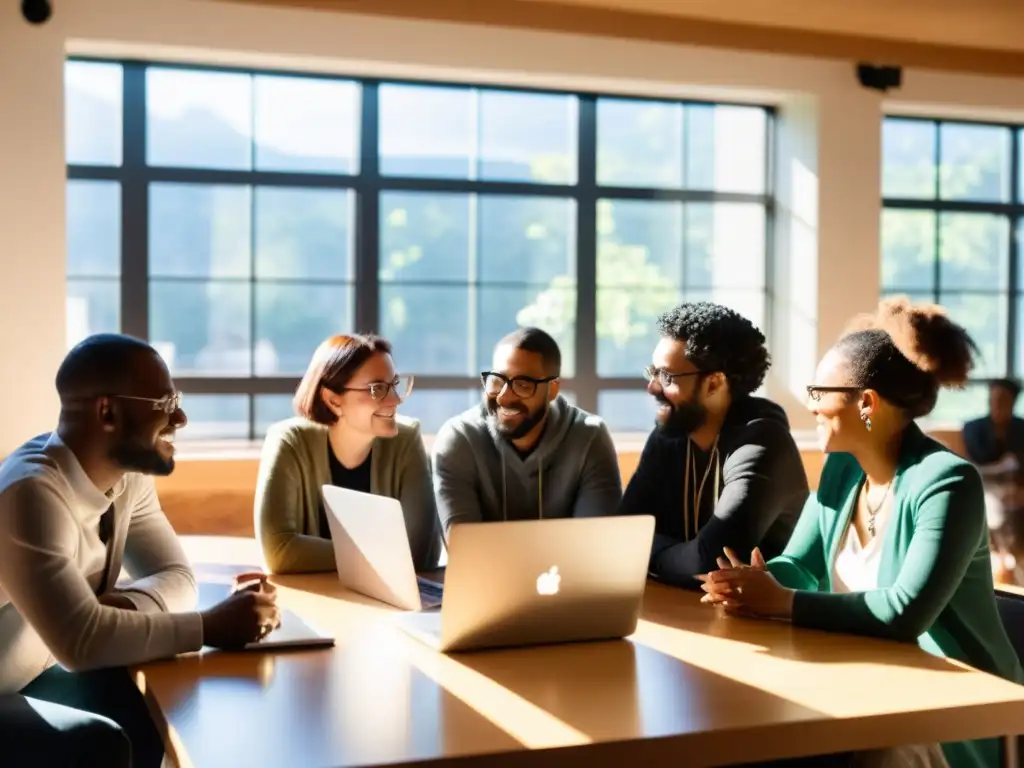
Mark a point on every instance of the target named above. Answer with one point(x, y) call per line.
point(867, 421)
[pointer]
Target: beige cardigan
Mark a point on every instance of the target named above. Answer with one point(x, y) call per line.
point(52, 566)
point(293, 468)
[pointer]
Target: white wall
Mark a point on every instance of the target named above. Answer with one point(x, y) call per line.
point(32, 171)
point(828, 142)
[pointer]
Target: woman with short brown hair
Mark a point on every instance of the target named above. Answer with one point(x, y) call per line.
point(347, 433)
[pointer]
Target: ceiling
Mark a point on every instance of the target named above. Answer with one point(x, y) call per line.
point(982, 36)
point(990, 24)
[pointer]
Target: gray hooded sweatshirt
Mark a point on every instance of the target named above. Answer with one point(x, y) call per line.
point(479, 476)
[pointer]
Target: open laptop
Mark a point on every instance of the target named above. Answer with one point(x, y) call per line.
point(371, 549)
point(532, 582)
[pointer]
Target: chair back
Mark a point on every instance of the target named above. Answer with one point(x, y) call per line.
point(1011, 611)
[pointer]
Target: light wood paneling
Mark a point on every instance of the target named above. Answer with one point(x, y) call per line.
point(215, 497)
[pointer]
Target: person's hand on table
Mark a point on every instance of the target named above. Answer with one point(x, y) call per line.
point(254, 581)
point(248, 614)
point(746, 589)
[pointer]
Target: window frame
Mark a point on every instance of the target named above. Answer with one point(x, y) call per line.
point(1012, 211)
point(367, 184)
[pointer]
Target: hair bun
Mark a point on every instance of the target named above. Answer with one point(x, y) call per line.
point(926, 336)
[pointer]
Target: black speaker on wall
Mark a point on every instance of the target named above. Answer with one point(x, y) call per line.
point(36, 11)
point(879, 78)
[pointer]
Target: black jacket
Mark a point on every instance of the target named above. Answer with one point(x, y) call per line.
point(763, 489)
point(982, 445)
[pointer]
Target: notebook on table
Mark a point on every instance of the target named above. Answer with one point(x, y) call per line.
point(294, 632)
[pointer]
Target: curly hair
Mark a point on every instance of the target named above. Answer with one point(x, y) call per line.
point(719, 339)
point(907, 352)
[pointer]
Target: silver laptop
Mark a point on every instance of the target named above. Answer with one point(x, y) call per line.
point(371, 549)
point(531, 582)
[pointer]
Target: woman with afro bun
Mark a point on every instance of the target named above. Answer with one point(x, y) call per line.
point(895, 543)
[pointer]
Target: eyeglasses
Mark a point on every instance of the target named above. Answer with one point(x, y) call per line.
point(168, 403)
point(400, 385)
point(665, 378)
point(521, 386)
point(814, 392)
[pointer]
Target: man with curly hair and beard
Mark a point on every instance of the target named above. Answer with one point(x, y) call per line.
point(721, 468)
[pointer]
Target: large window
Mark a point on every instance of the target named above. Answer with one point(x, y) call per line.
point(953, 201)
point(235, 219)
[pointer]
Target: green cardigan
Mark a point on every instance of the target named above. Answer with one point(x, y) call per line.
point(294, 466)
point(935, 583)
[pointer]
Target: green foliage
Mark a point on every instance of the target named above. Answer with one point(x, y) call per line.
point(961, 258)
point(632, 291)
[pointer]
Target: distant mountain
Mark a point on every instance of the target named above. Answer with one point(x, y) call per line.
point(430, 248)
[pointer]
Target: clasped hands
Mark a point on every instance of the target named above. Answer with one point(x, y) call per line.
point(748, 590)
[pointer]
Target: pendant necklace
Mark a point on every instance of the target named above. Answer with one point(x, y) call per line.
point(873, 511)
point(698, 495)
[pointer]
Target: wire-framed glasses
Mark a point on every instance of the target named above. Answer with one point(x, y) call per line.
point(665, 378)
point(814, 392)
point(400, 385)
point(168, 403)
point(521, 386)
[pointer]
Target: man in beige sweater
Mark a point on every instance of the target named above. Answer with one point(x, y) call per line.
point(77, 505)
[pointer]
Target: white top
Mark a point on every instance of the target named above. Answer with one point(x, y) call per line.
point(856, 570)
point(52, 562)
point(856, 566)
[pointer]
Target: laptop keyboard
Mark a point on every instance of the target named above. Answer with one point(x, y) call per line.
point(431, 592)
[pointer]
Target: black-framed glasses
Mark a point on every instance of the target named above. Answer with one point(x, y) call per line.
point(666, 378)
point(400, 385)
point(521, 386)
point(168, 403)
point(814, 392)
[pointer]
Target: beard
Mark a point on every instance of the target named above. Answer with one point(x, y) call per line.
point(530, 419)
point(683, 418)
point(132, 454)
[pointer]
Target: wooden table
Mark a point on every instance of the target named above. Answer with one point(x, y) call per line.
point(692, 686)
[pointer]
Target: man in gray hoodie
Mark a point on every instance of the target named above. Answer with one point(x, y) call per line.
point(525, 452)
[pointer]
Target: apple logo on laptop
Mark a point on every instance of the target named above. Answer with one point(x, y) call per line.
point(547, 582)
